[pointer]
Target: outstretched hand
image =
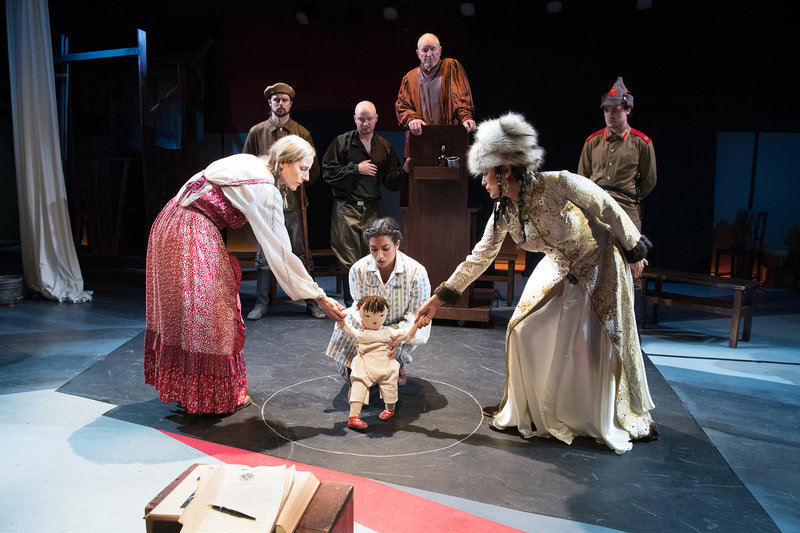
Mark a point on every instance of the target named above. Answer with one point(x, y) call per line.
point(428, 309)
point(332, 308)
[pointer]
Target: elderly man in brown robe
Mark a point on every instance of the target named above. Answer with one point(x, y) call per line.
point(436, 92)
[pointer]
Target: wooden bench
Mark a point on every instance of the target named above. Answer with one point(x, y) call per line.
point(741, 306)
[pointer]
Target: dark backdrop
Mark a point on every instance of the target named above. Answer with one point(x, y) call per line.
point(695, 68)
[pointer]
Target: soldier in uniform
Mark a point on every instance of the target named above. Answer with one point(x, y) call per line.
point(280, 97)
point(618, 158)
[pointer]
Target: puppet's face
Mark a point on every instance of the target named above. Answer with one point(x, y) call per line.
point(373, 320)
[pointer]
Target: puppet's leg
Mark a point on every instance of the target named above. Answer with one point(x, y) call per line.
point(359, 395)
point(389, 390)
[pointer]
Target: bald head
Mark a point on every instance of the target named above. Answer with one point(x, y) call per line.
point(367, 106)
point(429, 51)
point(427, 38)
point(366, 116)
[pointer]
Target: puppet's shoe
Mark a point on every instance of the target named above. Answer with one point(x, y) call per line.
point(402, 379)
point(386, 414)
point(355, 422)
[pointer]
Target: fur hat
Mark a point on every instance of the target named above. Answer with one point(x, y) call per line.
point(508, 140)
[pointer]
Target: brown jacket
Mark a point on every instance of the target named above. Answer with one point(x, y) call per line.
point(264, 134)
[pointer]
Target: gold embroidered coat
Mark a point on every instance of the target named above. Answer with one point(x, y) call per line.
point(585, 233)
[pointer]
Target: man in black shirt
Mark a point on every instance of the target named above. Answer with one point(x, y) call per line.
point(355, 164)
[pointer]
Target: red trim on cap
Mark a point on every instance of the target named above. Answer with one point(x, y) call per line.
point(640, 134)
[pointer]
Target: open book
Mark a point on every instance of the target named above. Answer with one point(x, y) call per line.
point(299, 496)
point(248, 499)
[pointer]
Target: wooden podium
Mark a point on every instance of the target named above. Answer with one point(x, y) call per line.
point(437, 220)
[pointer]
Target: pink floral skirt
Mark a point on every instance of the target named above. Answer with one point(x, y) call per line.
point(194, 330)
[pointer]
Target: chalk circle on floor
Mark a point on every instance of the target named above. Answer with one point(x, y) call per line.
point(432, 416)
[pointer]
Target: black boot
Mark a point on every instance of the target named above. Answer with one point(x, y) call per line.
point(346, 296)
point(314, 310)
point(263, 278)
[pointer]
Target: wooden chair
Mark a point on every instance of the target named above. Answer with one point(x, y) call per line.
point(508, 253)
point(749, 229)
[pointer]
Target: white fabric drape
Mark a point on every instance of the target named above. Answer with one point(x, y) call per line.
point(50, 264)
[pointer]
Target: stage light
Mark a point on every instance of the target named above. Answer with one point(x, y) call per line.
point(389, 13)
point(644, 5)
point(301, 17)
point(467, 9)
point(554, 7)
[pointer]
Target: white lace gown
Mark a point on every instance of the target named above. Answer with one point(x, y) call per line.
point(562, 372)
point(573, 362)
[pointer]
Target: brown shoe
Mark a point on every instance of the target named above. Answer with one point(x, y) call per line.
point(491, 410)
point(247, 400)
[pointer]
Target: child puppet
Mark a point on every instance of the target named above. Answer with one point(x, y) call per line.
point(374, 362)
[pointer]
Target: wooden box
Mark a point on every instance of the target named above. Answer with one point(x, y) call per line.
point(331, 510)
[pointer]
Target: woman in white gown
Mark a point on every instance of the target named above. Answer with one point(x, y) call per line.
point(573, 361)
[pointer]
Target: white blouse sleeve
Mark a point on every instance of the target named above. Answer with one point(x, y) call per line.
point(265, 215)
point(262, 205)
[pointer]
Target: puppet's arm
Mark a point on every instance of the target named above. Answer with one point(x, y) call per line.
point(347, 328)
point(408, 333)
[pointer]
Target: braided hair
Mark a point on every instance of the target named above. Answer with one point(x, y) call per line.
point(523, 175)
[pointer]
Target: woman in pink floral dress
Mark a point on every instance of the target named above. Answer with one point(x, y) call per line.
point(194, 330)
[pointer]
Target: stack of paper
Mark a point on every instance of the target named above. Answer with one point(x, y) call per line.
point(240, 498)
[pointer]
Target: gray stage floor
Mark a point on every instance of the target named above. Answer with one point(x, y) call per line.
point(706, 476)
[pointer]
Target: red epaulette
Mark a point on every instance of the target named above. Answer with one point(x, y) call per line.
point(640, 134)
point(595, 134)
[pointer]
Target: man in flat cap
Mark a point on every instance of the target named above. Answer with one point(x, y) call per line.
point(280, 97)
point(619, 158)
